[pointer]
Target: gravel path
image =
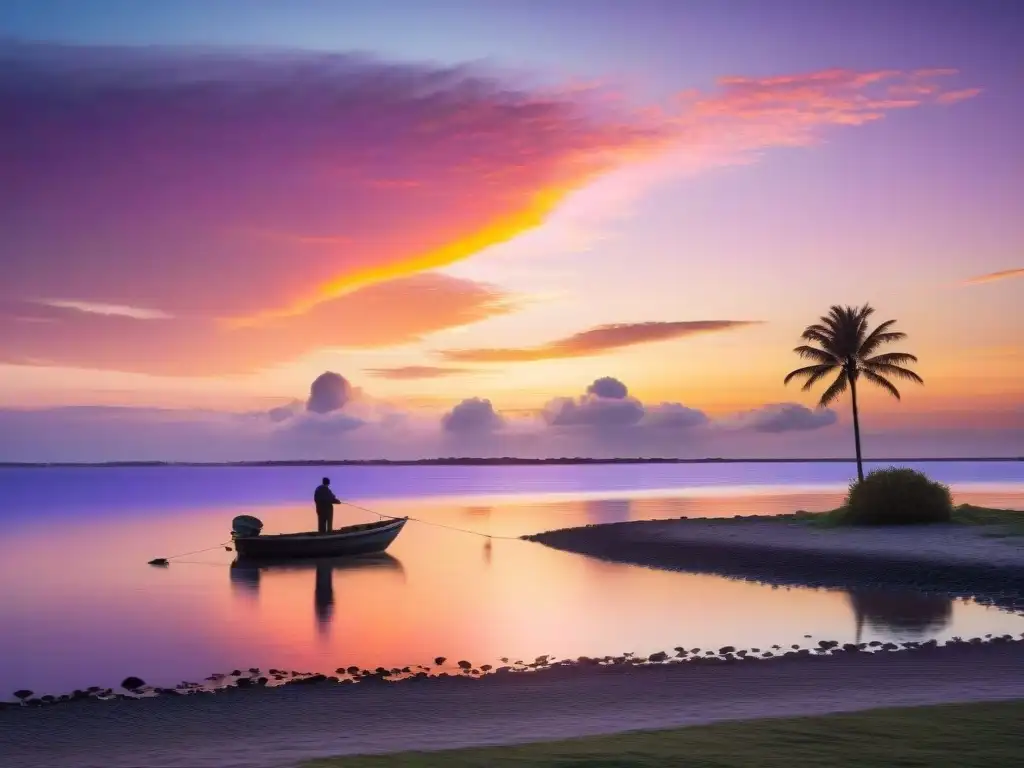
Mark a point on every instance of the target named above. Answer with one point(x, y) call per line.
point(275, 728)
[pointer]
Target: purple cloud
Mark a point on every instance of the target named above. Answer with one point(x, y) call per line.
point(472, 416)
point(329, 392)
point(608, 387)
point(674, 416)
point(607, 404)
point(787, 417)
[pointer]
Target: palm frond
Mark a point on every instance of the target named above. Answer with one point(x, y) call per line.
point(838, 322)
point(813, 353)
point(809, 370)
point(860, 320)
point(844, 327)
point(881, 335)
point(887, 369)
point(881, 381)
point(881, 328)
point(843, 340)
point(890, 358)
point(824, 340)
point(813, 374)
point(822, 372)
point(835, 389)
point(817, 332)
point(834, 320)
point(885, 338)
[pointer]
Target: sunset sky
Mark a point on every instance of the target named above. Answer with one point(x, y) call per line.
point(488, 217)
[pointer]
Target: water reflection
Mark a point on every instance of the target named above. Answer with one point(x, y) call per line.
point(607, 510)
point(323, 597)
point(466, 597)
point(247, 576)
point(901, 614)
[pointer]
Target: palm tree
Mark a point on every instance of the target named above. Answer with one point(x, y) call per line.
point(847, 345)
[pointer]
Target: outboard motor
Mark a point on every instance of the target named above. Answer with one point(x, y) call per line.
point(244, 526)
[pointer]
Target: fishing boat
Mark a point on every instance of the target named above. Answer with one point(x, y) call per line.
point(362, 539)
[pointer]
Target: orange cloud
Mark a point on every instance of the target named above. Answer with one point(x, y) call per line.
point(407, 372)
point(992, 277)
point(244, 211)
point(596, 341)
point(396, 312)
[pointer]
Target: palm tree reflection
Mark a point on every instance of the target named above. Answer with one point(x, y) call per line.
point(247, 575)
point(900, 614)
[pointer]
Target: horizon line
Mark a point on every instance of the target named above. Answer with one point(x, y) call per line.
point(507, 460)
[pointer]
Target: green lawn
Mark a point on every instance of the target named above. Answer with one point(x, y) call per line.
point(949, 736)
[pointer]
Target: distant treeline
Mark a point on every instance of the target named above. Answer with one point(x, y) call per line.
point(483, 462)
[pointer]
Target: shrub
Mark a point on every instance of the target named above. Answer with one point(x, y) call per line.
point(897, 496)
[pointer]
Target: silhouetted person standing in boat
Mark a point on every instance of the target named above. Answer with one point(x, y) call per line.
point(325, 500)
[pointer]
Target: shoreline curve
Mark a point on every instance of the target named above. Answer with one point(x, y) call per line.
point(282, 726)
point(957, 560)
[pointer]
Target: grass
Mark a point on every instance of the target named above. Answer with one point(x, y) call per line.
point(968, 514)
point(946, 736)
point(963, 514)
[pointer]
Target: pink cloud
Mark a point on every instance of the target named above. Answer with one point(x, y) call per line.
point(250, 198)
point(952, 97)
point(137, 175)
point(791, 108)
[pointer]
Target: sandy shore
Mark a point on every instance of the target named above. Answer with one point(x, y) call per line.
point(955, 559)
point(271, 728)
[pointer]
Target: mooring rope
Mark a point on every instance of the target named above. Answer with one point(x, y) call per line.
point(167, 560)
point(431, 522)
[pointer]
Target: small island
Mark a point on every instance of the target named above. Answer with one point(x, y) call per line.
point(912, 537)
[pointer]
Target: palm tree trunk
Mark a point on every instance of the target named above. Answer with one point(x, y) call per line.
point(856, 427)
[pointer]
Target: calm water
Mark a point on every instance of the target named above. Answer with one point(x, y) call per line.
point(80, 607)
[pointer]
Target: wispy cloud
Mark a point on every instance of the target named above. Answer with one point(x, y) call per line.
point(596, 341)
point(113, 310)
point(397, 312)
point(992, 277)
point(952, 97)
point(239, 193)
point(406, 372)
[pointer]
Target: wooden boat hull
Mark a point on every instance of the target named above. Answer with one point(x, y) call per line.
point(364, 539)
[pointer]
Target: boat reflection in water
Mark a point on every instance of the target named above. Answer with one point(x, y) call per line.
point(247, 576)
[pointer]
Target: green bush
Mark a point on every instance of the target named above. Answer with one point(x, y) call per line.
point(897, 496)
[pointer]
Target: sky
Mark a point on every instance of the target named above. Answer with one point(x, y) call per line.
point(410, 228)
